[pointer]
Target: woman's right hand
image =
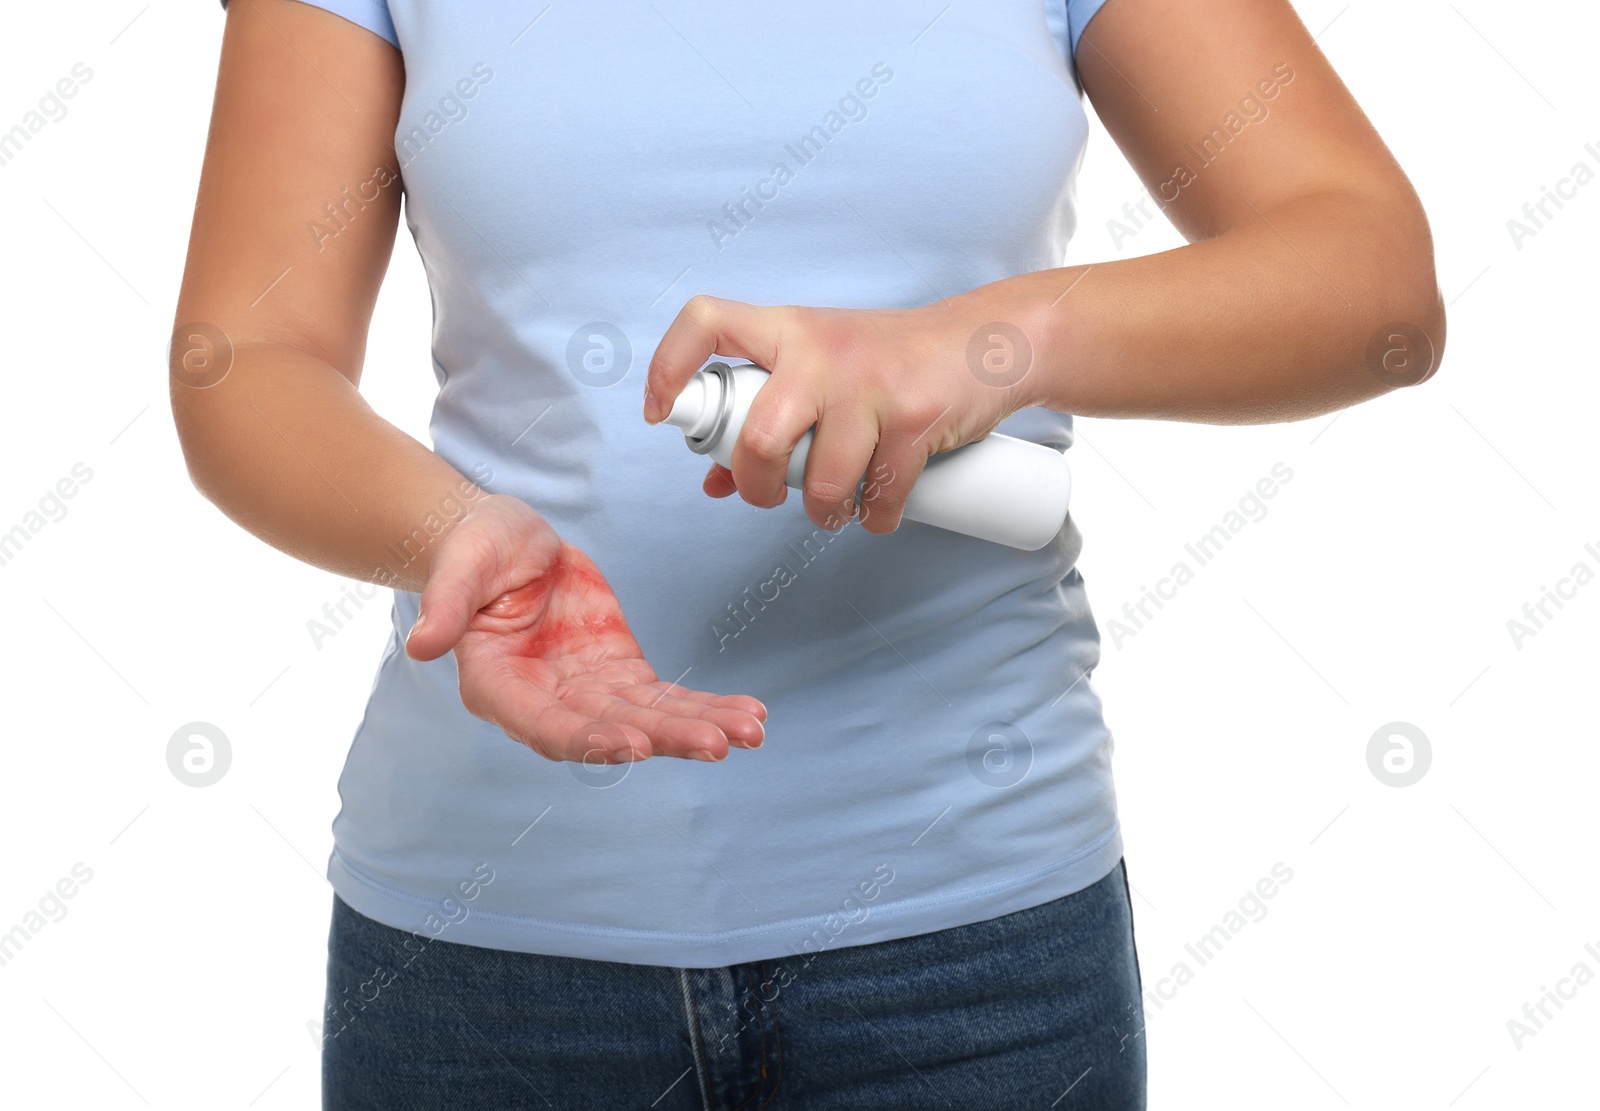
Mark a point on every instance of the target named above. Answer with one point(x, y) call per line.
point(542, 649)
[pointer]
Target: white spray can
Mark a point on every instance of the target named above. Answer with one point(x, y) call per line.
point(999, 488)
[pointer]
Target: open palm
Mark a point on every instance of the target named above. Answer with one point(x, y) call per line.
point(543, 651)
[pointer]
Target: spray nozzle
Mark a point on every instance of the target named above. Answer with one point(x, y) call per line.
point(702, 407)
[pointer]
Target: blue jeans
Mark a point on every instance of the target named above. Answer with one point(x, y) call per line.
point(1036, 1009)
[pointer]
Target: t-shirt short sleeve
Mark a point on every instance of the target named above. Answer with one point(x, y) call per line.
point(1079, 12)
point(374, 15)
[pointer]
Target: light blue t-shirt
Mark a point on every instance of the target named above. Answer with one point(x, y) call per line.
point(935, 751)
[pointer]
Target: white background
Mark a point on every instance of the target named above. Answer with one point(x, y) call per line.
point(1377, 588)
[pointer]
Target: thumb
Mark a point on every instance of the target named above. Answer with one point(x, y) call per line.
point(458, 581)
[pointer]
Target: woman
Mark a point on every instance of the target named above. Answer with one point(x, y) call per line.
point(912, 894)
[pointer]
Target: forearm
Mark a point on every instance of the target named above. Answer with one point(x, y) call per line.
point(1269, 321)
point(287, 447)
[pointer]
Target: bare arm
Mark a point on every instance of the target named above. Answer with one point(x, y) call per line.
point(283, 443)
point(1308, 284)
point(272, 324)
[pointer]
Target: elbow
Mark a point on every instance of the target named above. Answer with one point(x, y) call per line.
point(1405, 337)
point(199, 362)
point(201, 479)
point(194, 458)
point(196, 446)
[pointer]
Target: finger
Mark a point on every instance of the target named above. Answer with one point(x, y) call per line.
point(558, 732)
point(704, 327)
point(841, 449)
point(669, 734)
point(752, 706)
point(719, 481)
point(889, 479)
point(739, 725)
point(601, 742)
point(782, 411)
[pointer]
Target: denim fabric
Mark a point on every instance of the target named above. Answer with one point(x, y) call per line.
point(1035, 1009)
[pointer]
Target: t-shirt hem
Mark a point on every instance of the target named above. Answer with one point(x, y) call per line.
point(524, 934)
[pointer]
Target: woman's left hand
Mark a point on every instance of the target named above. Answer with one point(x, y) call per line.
point(885, 389)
